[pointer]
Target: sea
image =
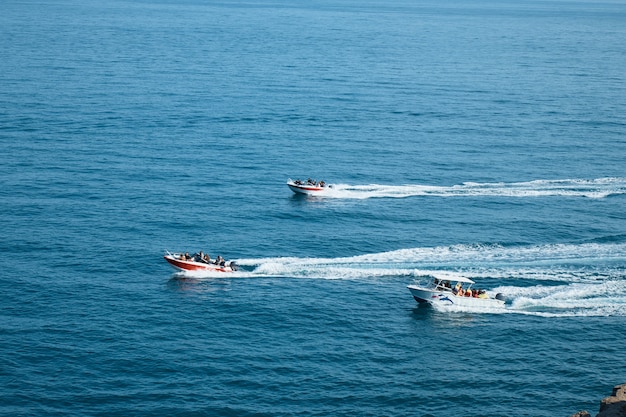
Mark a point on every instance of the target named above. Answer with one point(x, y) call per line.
point(482, 138)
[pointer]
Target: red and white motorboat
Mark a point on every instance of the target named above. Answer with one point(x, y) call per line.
point(308, 187)
point(180, 262)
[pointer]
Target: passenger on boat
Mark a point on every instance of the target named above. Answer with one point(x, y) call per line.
point(185, 257)
point(458, 289)
point(206, 259)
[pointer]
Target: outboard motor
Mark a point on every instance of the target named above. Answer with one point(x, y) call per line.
point(234, 266)
point(500, 296)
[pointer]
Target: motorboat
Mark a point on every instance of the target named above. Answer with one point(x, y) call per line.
point(199, 262)
point(448, 291)
point(308, 187)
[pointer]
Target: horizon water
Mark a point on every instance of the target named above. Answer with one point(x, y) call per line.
point(475, 138)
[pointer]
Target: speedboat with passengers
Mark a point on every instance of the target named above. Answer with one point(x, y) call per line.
point(308, 187)
point(199, 262)
point(453, 290)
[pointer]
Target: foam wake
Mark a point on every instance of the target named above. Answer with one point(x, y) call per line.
point(604, 297)
point(488, 257)
point(589, 188)
point(546, 280)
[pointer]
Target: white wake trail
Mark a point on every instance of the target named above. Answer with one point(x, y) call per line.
point(588, 188)
point(556, 280)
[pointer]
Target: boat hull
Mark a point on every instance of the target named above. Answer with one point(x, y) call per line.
point(195, 266)
point(447, 298)
point(307, 188)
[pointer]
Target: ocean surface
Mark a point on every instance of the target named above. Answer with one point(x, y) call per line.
point(474, 137)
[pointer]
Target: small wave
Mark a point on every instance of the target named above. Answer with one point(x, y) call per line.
point(589, 188)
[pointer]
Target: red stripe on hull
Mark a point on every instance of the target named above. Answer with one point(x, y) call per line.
point(311, 188)
point(297, 187)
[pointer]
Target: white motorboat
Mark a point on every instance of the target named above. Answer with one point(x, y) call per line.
point(308, 187)
point(449, 291)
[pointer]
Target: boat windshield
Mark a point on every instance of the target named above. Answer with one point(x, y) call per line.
point(441, 284)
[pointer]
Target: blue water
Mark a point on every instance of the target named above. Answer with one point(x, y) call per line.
point(480, 138)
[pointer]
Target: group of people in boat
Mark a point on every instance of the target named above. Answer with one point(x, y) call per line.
point(310, 181)
point(459, 291)
point(203, 258)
